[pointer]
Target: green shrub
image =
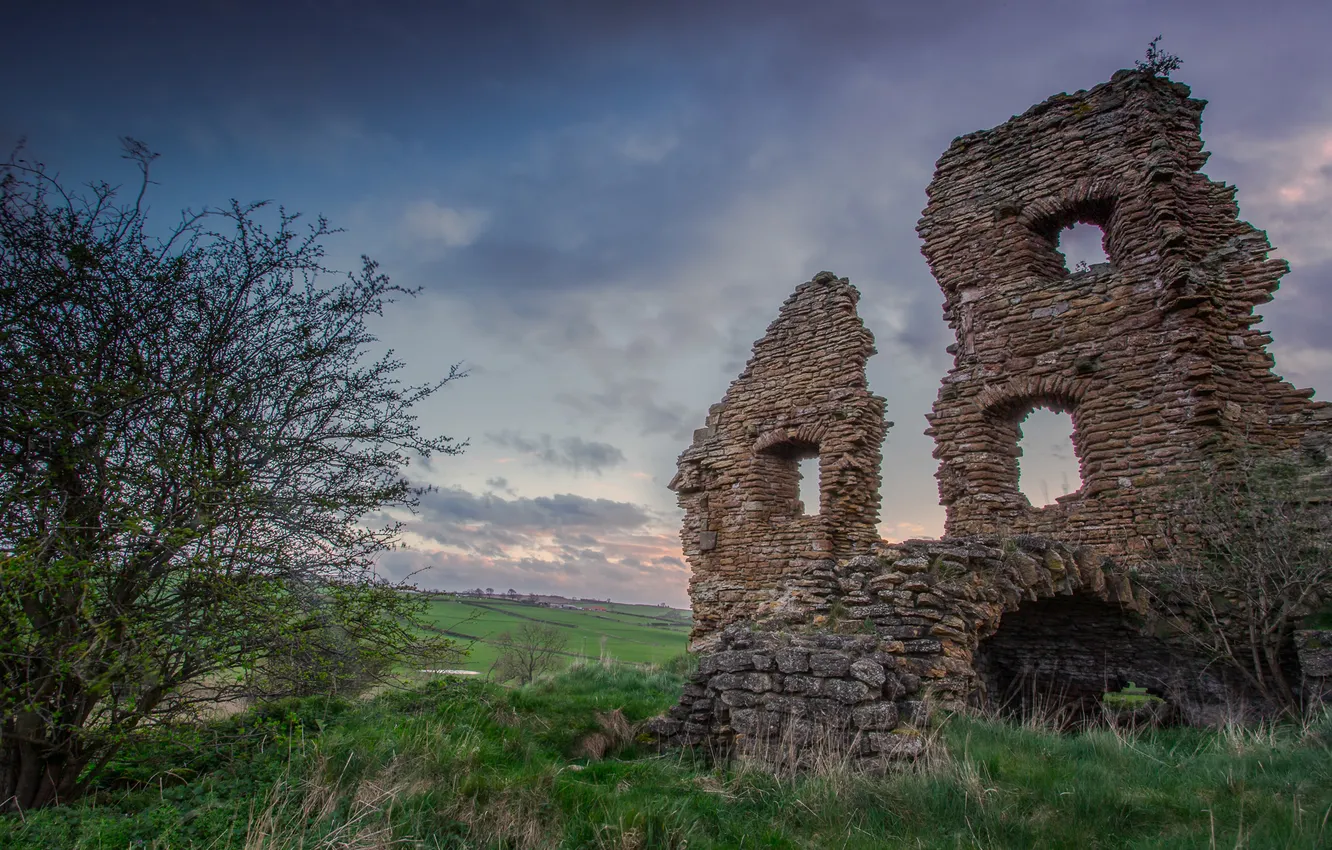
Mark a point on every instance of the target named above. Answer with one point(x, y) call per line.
point(1321, 619)
point(684, 664)
point(1129, 698)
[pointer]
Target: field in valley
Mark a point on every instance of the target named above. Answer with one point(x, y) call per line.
point(638, 634)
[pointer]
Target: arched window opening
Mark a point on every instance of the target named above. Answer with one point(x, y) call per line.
point(1074, 238)
point(810, 495)
point(1082, 246)
point(1048, 465)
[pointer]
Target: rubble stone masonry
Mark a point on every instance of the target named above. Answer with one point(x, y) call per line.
point(749, 540)
point(1153, 353)
point(807, 622)
point(931, 624)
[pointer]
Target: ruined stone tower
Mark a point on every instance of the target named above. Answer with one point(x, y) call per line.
point(1152, 353)
point(802, 394)
point(811, 629)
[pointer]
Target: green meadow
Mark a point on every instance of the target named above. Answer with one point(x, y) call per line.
point(561, 763)
point(635, 634)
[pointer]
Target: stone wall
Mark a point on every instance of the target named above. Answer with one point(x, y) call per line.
point(1153, 353)
point(811, 629)
point(913, 627)
point(1315, 652)
point(748, 539)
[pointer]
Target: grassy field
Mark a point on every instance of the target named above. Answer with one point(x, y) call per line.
point(629, 633)
point(467, 764)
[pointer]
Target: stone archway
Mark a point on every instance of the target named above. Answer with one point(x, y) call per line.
point(1055, 657)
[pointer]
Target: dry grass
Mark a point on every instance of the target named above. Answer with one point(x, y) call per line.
point(284, 821)
point(794, 750)
point(517, 817)
point(614, 733)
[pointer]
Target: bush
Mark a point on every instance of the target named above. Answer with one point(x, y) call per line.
point(528, 651)
point(684, 664)
point(332, 663)
point(1157, 62)
point(1249, 557)
point(196, 449)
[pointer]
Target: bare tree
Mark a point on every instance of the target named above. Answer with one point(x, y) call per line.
point(528, 651)
point(192, 444)
point(1249, 555)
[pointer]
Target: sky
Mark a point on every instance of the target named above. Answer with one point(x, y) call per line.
point(605, 202)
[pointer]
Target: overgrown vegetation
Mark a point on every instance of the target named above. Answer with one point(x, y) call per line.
point(469, 764)
point(1249, 559)
point(193, 442)
point(1158, 62)
point(1132, 706)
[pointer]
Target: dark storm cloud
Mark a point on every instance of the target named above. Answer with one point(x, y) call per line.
point(454, 506)
point(1304, 299)
point(573, 453)
point(343, 48)
point(635, 401)
point(499, 530)
point(488, 61)
point(407, 64)
point(642, 219)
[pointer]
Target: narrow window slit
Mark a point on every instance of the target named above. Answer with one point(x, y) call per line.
point(810, 495)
